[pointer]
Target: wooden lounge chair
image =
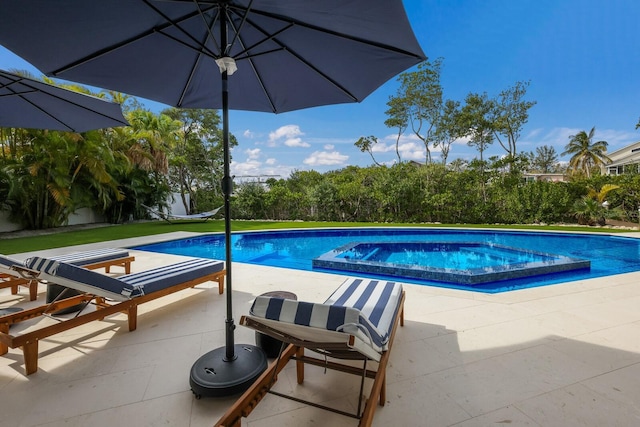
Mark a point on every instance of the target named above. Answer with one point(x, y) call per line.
point(357, 322)
point(94, 259)
point(204, 216)
point(110, 295)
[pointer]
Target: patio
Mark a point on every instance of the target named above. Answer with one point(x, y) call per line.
point(565, 354)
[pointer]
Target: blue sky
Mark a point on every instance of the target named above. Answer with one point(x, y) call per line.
point(581, 57)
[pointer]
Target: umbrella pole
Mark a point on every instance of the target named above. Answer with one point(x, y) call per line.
point(231, 369)
point(227, 184)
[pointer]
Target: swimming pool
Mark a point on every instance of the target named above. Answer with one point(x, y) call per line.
point(296, 249)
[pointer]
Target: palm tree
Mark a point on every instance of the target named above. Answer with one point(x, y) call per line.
point(585, 153)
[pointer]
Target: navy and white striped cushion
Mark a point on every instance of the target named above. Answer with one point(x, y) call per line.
point(163, 277)
point(91, 257)
point(129, 285)
point(6, 263)
point(82, 279)
point(357, 305)
point(377, 300)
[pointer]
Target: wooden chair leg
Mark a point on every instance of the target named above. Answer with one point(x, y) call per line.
point(4, 348)
point(127, 267)
point(14, 289)
point(33, 290)
point(132, 313)
point(300, 365)
point(383, 391)
point(30, 351)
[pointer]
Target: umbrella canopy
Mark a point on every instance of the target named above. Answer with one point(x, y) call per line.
point(290, 54)
point(258, 55)
point(32, 104)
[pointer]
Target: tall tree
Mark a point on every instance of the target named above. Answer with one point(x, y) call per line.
point(450, 127)
point(418, 104)
point(476, 117)
point(511, 112)
point(197, 159)
point(544, 160)
point(366, 143)
point(586, 154)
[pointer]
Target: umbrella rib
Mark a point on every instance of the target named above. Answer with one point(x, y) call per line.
point(266, 39)
point(37, 107)
point(331, 32)
point(183, 92)
point(305, 62)
point(244, 20)
point(155, 30)
point(206, 25)
point(183, 18)
point(255, 70)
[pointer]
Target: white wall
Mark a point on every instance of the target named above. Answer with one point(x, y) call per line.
point(176, 207)
point(5, 224)
point(87, 216)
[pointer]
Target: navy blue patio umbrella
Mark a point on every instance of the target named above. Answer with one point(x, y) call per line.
point(259, 55)
point(33, 104)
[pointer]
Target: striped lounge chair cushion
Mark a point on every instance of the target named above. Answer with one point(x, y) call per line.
point(164, 277)
point(6, 263)
point(123, 287)
point(361, 307)
point(91, 257)
point(76, 258)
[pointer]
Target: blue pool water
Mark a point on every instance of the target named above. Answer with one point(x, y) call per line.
point(296, 249)
point(463, 263)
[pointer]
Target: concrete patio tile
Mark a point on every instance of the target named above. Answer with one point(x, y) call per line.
point(418, 402)
point(77, 397)
point(415, 359)
point(508, 416)
point(478, 316)
point(173, 410)
point(577, 405)
point(568, 324)
point(484, 386)
point(489, 341)
point(610, 313)
point(621, 386)
point(307, 416)
point(546, 368)
point(608, 349)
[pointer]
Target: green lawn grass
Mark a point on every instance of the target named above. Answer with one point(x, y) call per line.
point(114, 232)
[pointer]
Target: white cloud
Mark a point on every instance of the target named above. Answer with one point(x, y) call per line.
point(412, 151)
point(248, 134)
point(253, 153)
point(270, 161)
point(325, 158)
point(290, 135)
point(296, 142)
point(250, 167)
point(329, 147)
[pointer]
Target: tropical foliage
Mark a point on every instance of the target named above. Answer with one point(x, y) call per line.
point(586, 154)
point(481, 193)
point(46, 176)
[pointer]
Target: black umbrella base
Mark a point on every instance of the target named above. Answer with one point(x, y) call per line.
point(213, 376)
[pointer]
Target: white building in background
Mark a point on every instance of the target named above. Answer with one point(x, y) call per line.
point(629, 155)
